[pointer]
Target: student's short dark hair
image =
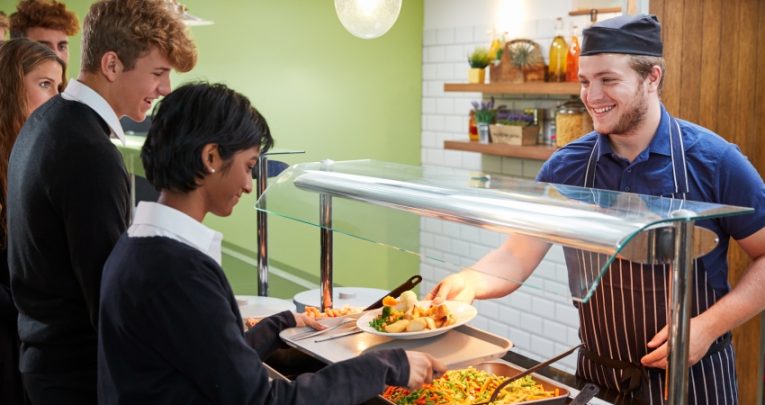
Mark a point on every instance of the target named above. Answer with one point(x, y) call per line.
point(192, 116)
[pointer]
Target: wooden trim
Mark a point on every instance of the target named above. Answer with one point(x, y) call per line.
point(566, 88)
point(587, 11)
point(632, 7)
point(538, 152)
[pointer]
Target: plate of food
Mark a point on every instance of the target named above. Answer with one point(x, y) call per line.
point(408, 318)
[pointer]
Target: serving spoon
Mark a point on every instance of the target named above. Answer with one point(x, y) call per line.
point(527, 372)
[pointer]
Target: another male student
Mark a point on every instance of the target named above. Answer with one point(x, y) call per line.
point(47, 22)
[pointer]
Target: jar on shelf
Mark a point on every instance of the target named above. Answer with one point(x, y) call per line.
point(571, 122)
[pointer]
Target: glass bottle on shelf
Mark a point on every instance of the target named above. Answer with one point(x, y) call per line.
point(572, 59)
point(558, 53)
point(548, 138)
point(472, 128)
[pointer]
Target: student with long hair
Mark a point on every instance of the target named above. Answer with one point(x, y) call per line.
point(31, 74)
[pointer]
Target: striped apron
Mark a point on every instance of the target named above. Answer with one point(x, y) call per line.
point(630, 306)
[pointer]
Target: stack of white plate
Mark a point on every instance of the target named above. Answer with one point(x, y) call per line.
point(254, 306)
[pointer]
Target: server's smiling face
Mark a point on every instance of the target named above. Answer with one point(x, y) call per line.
point(613, 92)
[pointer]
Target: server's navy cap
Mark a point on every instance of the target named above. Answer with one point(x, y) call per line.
point(632, 34)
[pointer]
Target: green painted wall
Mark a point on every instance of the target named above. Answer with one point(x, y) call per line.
point(323, 91)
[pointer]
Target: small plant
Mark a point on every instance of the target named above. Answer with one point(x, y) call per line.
point(485, 111)
point(514, 118)
point(522, 55)
point(479, 59)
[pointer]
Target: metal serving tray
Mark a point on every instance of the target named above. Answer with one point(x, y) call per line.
point(458, 348)
point(505, 369)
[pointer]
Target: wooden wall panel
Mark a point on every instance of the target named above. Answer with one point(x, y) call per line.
point(728, 67)
point(710, 64)
point(745, 78)
point(756, 152)
point(748, 337)
point(690, 64)
point(672, 35)
point(728, 97)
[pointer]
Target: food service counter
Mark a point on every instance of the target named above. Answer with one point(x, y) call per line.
point(339, 197)
point(519, 361)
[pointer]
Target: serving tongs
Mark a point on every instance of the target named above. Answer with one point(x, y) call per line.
point(534, 369)
point(339, 322)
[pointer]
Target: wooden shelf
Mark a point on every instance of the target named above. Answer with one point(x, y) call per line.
point(565, 88)
point(536, 152)
point(589, 11)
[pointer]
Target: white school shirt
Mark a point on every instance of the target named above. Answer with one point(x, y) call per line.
point(155, 219)
point(80, 92)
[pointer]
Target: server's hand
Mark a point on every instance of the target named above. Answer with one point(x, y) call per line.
point(454, 287)
point(700, 341)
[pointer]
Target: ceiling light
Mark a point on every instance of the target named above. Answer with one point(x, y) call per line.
point(367, 19)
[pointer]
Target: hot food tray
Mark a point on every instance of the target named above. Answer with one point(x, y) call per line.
point(505, 369)
point(460, 347)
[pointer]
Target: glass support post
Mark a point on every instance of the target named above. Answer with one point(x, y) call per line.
point(325, 219)
point(326, 252)
point(261, 184)
point(681, 282)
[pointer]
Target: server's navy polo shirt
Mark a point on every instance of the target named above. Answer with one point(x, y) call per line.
point(717, 172)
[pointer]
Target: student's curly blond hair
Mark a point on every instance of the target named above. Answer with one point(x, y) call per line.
point(45, 14)
point(130, 28)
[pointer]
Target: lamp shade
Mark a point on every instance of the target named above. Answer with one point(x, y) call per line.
point(367, 19)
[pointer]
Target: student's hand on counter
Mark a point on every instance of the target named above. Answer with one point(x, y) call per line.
point(301, 319)
point(423, 368)
point(700, 341)
point(454, 287)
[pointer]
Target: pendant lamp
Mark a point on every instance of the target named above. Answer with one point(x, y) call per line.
point(367, 19)
point(183, 12)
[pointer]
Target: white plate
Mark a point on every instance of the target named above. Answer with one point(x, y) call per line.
point(252, 306)
point(463, 313)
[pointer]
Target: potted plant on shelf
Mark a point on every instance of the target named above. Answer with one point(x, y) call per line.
point(514, 128)
point(485, 113)
point(478, 60)
point(525, 55)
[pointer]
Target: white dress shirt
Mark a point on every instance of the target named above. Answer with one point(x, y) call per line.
point(78, 91)
point(154, 219)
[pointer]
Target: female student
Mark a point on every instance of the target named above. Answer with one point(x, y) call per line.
point(170, 329)
point(31, 74)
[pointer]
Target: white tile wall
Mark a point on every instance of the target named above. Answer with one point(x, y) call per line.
point(539, 317)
